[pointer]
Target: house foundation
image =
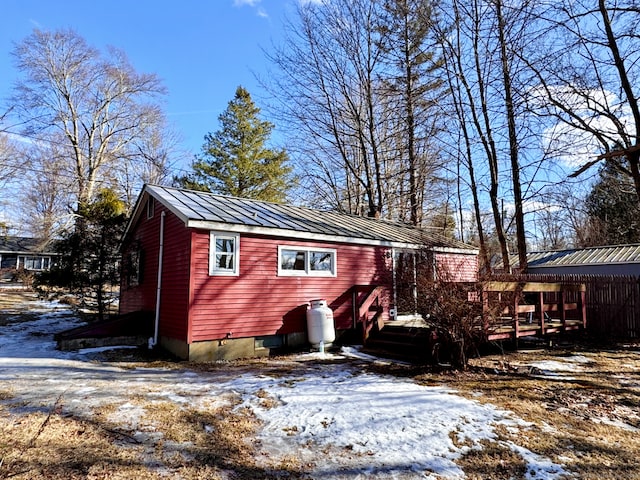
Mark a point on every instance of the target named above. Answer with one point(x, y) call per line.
point(232, 348)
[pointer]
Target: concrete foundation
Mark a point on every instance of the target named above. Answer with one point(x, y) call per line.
point(232, 348)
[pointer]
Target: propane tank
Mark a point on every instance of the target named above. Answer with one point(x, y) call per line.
point(320, 324)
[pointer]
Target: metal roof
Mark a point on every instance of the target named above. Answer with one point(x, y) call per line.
point(11, 244)
point(617, 254)
point(211, 211)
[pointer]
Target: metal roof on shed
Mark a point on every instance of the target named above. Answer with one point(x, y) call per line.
point(211, 211)
point(586, 256)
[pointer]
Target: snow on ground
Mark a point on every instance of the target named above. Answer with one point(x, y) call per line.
point(570, 363)
point(339, 421)
point(562, 367)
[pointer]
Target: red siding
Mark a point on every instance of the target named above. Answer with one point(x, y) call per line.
point(258, 302)
point(174, 303)
point(198, 307)
point(456, 267)
point(175, 277)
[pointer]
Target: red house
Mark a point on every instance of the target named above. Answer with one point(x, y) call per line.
point(230, 277)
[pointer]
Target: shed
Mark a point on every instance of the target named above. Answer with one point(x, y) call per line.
point(604, 260)
point(231, 277)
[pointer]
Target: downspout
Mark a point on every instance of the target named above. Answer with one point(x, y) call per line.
point(394, 313)
point(414, 264)
point(153, 341)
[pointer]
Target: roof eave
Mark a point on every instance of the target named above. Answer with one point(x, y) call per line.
point(293, 234)
point(557, 265)
point(298, 235)
point(27, 252)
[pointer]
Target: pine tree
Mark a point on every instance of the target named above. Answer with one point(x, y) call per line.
point(88, 265)
point(613, 209)
point(236, 161)
point(414, 80)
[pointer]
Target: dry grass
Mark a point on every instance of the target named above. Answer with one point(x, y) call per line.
point(494, 460)
point(587, 420)
point(10, 306)
point(49, 446)
point(189, 444)
point(10, 298)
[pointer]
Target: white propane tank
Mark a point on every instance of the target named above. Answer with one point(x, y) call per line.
point(320, 324)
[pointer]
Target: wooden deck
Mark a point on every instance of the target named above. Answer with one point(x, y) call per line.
point(532, 309)
point(505, 311)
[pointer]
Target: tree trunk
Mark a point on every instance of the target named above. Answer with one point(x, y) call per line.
point(513, 141)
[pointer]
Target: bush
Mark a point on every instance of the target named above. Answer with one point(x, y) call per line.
point(454, 311)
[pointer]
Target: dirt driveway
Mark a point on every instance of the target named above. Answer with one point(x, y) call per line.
point(122, 414)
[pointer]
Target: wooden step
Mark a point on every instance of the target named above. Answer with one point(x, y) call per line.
point(410, 344)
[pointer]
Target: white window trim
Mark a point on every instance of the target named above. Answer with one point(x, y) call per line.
point(213, 271)
point(307, 272)
point(42, 258)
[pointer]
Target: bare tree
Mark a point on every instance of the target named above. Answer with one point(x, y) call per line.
point(507, 56)
point(11, 165)
point(152, 160)
point(46, 197)
point(469, 66)
point(414, 80)
point(461, 96)
point(9, 160)
point(588, 74)
point(330, 96)
point(97, 106)
point(483, 41)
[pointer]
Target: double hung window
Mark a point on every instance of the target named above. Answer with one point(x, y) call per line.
point(224, 254)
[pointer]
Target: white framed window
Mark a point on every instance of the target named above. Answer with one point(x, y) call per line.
point(224, 253)
point(294, 261)
point(34, 262)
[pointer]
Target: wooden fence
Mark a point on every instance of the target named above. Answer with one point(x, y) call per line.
point(612, 302)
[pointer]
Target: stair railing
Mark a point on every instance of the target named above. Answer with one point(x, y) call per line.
point(367, 308)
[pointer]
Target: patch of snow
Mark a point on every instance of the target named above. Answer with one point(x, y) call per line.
point(561, 366)
point(538, 467)
point(615, 423)
point(34, 339)
point(127, 416)
point(339, 421)
point(356, 353)
point(397, 425)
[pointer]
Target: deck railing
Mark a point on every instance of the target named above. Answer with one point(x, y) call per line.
point(612, 302)
point(523, 308)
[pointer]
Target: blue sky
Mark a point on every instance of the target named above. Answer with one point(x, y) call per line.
point(201, 49)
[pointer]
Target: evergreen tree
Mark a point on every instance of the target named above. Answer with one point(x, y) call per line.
point(613, 209)
point(442, 220)
point(90, 252)
point(236, 161)
point(415, 83)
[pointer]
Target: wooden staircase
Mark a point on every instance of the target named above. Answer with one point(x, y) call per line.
point(401, 342)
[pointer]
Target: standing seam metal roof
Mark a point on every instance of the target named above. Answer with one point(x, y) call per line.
point(207, 207)
point(586, 256)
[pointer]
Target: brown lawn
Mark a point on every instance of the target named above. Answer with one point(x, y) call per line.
point(583, 405)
